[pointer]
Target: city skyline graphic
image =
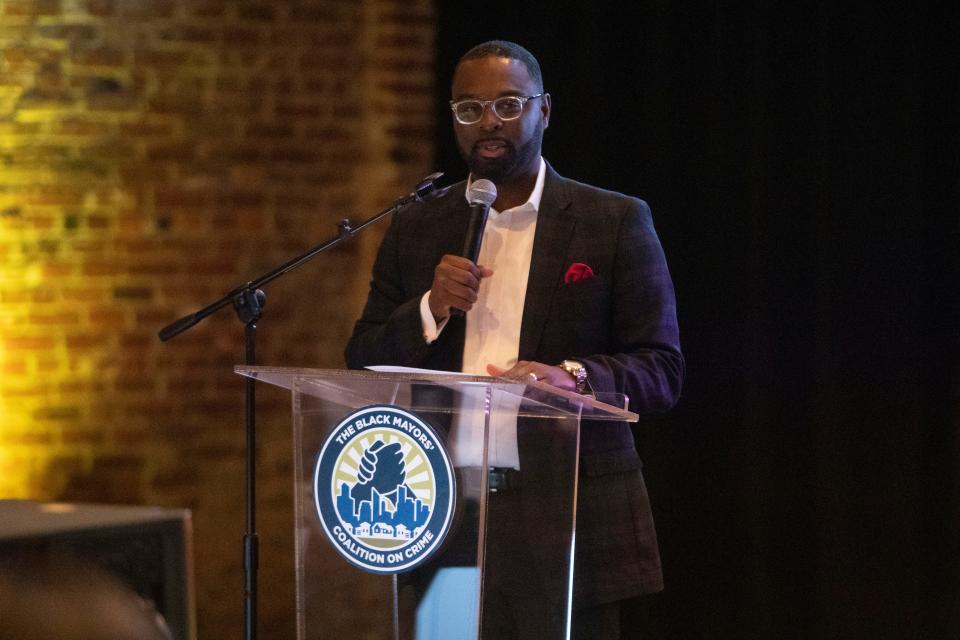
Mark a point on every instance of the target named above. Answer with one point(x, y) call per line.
point(383, 489)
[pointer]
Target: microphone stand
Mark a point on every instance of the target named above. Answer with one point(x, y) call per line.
point(248, 301)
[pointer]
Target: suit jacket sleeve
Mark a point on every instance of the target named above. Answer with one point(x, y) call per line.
point(389, 331)
point(643, 359)
point(622, 322)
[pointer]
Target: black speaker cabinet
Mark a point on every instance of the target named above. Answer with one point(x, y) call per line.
point(146, 548)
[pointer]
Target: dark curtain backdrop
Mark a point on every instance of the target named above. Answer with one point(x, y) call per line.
point(801, 160)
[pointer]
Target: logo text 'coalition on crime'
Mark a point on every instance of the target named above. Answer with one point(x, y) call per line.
point(384, 489)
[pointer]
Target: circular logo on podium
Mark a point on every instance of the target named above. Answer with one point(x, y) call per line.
point(384, 489)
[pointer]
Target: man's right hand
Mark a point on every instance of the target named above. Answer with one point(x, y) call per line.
point(456, 282)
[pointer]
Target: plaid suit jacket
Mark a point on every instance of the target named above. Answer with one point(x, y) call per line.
point(620, 323)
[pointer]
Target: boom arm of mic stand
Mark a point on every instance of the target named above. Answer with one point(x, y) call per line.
point(426, 190)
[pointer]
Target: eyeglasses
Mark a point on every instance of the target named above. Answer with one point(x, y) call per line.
point(506, 108)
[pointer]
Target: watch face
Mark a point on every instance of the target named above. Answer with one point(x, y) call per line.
point(577, 370)
point(572, 366)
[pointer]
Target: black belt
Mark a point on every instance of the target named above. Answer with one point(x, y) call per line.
point(502, 479)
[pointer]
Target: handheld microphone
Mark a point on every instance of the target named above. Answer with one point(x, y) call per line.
point(481, 196)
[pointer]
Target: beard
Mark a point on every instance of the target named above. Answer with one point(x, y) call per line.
point(513, 163)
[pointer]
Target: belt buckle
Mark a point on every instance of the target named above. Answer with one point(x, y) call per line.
point(501, 478)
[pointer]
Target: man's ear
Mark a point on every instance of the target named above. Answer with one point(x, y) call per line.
point(546, 106)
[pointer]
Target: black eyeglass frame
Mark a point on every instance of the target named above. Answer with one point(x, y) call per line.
point(484, 103)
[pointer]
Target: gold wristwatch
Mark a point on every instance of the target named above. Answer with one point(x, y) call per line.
point(579, 373)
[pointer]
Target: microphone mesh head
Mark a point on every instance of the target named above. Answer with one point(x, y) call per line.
point(482, 191)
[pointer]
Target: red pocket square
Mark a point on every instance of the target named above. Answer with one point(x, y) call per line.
point(577, 271)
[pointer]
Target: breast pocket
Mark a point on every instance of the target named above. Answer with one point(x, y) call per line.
point(582, 299)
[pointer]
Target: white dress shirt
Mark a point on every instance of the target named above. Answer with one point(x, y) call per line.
point(493, 325)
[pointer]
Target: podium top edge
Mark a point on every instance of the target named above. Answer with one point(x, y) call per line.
point(285, 376)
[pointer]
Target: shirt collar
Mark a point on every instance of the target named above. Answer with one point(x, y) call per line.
point(535, 196)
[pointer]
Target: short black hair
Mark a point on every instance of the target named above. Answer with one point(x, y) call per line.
point(507, 49)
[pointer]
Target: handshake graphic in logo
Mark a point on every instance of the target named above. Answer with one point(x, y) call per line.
point(381, 468)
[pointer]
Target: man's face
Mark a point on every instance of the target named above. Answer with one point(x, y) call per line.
point(493, 148)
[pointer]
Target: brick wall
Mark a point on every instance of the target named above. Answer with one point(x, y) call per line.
point(154, 154)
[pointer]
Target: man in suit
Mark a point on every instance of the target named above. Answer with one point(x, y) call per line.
point(571, 288)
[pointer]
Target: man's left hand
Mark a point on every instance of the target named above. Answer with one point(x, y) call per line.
point(525, 370)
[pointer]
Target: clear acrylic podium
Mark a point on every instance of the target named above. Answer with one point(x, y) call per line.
point(504, 566)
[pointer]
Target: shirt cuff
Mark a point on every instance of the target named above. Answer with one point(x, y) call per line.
point(431, 330)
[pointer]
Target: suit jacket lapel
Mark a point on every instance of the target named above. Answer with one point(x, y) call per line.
point(555, 225)
point(452, 221)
